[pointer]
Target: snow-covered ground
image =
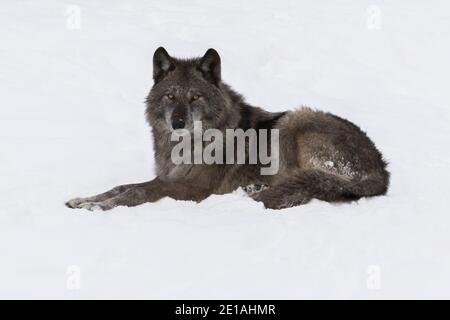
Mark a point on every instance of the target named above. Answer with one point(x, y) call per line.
point(73, 78)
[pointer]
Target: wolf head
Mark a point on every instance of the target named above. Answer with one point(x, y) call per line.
point(187, 90)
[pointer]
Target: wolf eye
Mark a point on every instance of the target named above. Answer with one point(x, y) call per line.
point(195, 97)
point(170, 96)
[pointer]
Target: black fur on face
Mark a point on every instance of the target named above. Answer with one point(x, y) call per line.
point(186, 90)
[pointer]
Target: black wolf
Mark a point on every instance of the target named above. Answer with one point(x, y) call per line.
point(320, 156)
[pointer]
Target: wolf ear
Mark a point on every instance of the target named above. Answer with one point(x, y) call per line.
point(209, 65)
point(162, 64)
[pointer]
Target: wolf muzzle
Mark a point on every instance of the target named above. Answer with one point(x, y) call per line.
point(178, 117)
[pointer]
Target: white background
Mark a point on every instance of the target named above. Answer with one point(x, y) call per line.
point(72, 124)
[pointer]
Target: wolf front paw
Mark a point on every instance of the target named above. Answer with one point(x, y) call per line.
point(277, 200)
point(252, 189)
point(79, 203)
point(74, 203)
point(94, 206)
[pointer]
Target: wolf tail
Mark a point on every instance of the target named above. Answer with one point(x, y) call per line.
point(329, 187)
point(308, 184)
point(373, 185)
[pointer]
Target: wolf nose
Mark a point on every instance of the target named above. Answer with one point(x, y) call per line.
point(178, 123)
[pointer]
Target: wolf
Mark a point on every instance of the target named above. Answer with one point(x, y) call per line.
point(321, 155)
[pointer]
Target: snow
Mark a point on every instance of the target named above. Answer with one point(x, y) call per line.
point(72, 124)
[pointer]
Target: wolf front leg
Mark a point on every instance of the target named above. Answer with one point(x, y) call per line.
point(75, 203)
point(126, 195)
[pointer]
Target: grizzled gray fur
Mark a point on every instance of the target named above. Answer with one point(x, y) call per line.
point(321, 155)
